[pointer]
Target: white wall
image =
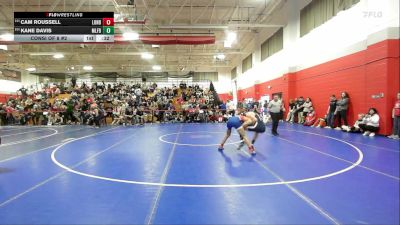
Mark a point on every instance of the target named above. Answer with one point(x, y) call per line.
point(28, 79)
point(9, 87)
point(352, 30)
point(224, 84)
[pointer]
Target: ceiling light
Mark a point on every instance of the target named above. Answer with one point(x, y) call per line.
point(156, 67)
point(220, 56)
point(58, 56)
point(3, 47)
point(88, 67)
point(130, 36)
point(231, 36)
point(155, 46)
point(146, 55)
point(227, 44)
point(31, 69)
point(7, 37)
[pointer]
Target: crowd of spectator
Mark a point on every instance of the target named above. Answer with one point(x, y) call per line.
point(337, 110)
point(136, 104)
point(123, 104)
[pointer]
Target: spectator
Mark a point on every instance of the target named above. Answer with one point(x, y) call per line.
point(396, 119)
point(230, 105)
point(356, 127)
point(342, 106)
point(23, 91)
point(320, 122)
point(299, 109)
point(306, 109)
point(275, 106)
point(292, 108)
point(370, 123)
point(311, 116)
point(330, 114)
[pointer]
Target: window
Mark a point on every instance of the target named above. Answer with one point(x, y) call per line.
point(272, 45)
point(247, 63)
point(320, 11)
point(205, 76)
point(233, 73)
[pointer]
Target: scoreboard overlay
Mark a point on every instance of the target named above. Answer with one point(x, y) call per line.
point(89, 27)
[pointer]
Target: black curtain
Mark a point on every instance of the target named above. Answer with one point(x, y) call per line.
point(217, 101)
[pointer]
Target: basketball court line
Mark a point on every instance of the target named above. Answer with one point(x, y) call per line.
point(150, 217)
point(359, 160)
point(26, 132)
point(12, 128)
point(32, 139)
point(375, 147)
point(354, 142)
point(305, 198)
point(65, 172)
point(41, 149)
point(195, 145)
point(338, 158)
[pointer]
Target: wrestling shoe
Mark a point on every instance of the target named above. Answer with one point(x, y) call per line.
point(252, 150)
point(241, 144)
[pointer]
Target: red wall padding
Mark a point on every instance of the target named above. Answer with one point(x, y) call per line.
point(5, 97)
point(225, 97)
point(362, 74)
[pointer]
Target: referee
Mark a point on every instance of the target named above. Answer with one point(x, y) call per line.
point(275, 107)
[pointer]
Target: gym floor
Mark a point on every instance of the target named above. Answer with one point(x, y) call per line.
point(174, 174)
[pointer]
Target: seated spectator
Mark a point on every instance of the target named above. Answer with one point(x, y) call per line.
point(292, 108)
point(58, 119)
point(2, 115)
point(320, 122)
point(140, 115)
point(129, 119)
point(356, 127)
point(370, 123)
point(306, 109)
point(117, 114)
point(98, 116)
point(299, 109)
point(311, 117)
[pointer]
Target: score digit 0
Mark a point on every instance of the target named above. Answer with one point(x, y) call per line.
point(108, 21)
point(108, 30)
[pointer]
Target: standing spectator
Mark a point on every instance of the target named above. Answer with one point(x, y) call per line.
point(396, 119)
point(230, 105)
point(275, 106)
point(292, 108)
point(330, 114)
point(370, 123)
point(342, 106)
point(23, 91)
point(299, 109)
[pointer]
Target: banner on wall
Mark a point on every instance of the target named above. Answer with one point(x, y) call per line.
point(10, 75)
